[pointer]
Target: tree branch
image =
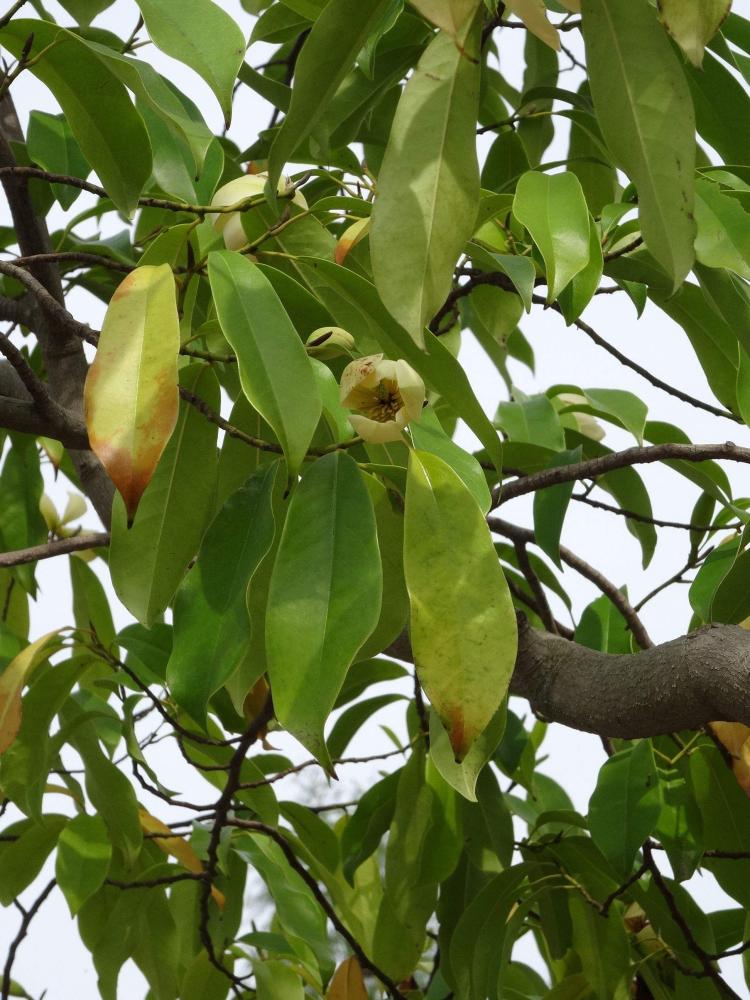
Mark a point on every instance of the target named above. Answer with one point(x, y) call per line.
point(591, 468)
point(23, 930)
point(59, 547)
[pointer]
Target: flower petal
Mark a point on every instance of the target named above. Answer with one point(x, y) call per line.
point(363, 370)
point(412, 389)
point(373, 431)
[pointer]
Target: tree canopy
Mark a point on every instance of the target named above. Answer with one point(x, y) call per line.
point(271, 430)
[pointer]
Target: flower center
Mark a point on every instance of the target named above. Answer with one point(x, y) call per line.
point(384, 402)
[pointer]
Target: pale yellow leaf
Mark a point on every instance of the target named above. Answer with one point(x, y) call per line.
point(735, 738)
point(448, 15)
point(178, 847)
point(533, 13)
point(131, 395)
point(12, 680)
point(347, 982)
point(693, 23)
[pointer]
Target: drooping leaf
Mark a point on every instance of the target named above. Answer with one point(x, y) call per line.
point(211, 624)
point(52, 145)
point(625, 805)
point(13, 679)
point(463, 629)
point(326, 57)
point(463, 776)
point(550, 507)
point(131, 392)
point(148, 559)
point(693, 23)
point(646, 116)
point(84, 852)
point(428, 187)
point(22, 857)
point(553, 209)
point(324, 597)
point(723, 238)
point(275, 371)
point(347, 982)
point(97, 107)
point(202, 35)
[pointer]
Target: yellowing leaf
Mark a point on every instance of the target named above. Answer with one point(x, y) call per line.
point(692, 23)
point(131, 394)
point(533, 13)
point(463, 627)
point(178, 847)
point(12, 681)
point(448, 15)
point(347, 982)
point(350, 238)
point(735, 738)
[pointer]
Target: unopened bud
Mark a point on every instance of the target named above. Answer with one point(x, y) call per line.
point(329, 342)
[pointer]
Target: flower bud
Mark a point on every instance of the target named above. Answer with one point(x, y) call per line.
point(229, 224)
point(385, 395)
point(329, 342)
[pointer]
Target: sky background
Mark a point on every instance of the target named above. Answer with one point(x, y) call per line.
point(53, 957)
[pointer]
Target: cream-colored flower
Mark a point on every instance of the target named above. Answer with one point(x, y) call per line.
point(385, 395)
point(229, 224)
point(329, 342)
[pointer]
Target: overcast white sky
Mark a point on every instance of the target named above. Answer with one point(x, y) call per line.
point(53, 957)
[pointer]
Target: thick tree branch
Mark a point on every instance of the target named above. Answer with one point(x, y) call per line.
point(593, 467)
point(22, 415)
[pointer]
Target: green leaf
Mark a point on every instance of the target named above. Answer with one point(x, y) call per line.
point(203, 36)
point(51, 144)
point(550, 507)
point(275, 372)
point(721, 108)
point(521, 272)
point(211, 623)
point(625, 805)
point(324, 597)
point(91, 609)
point(463, 776)
point(534, 420)
point(21, 487)
point(463, 629)
point(723, 238)
point(428, 187)
point(22, 859)
point(84, 852)
point(428, 435)
point(148, 560)
point(602, 945)
point(277, 981)
point(97, 107)
point(407, 900)
point(646, 116)
point(326, 57)
point(574, 299)
point(693, 23)
point(368, 823)
point(553, 209)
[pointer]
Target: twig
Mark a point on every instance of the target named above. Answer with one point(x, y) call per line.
point(528, 600)
point(296, 768)
point(645, 455)
point(364, 960)
point(56, 312)
point(606, 586)
point(635, 877)
point(658, 522)
point(524, 564)
point(154, 883)
point(58, 547)
point(28, 916)
point(9, 13)
point(74, 256)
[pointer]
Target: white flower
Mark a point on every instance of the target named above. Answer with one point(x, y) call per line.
point(229, 224)
point(386, 396)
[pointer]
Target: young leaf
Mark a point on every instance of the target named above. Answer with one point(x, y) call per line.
point(275, 371)
point(211, 624)
point(148, 559)
point(324, 598)
point(97, 107)
point(131, 394)
point(646, 115)
point(84, 851)
point(203, 36)
point(335, 41)
point(12, 681)
point(428, 187)
point(625, 805)
point(463, 629)
point(553, 209)
point(693, 23)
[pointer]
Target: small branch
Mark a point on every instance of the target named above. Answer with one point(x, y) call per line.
point(543, 608)
point(154, 883)
point(364, 960)
point(59, 547)
point(5, 19)
point(606, 586)
point(296, 768)
point(631, 515)
point(74, 256)
point(524, 598)
point(56, 312)
point(591, 468)
point(28, 916)
point(22, 415)
point(560, 25)
point(33, 384)
point(635, 877)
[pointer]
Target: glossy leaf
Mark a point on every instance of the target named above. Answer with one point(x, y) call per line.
point(553, 209)
point(428, 187)
point(462, 629)
point(131, 390)
point(275, 371)
point(463, 776)
point(646, 116)
point(326, 57)
point(84, 852)
point(324, 597)
point(148, 559)
point(97, 107)
point(625, 805)
point(211, 623)
point(52, 145)
point(203, 36)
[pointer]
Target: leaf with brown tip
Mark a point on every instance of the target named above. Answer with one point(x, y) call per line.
point(131, 395)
